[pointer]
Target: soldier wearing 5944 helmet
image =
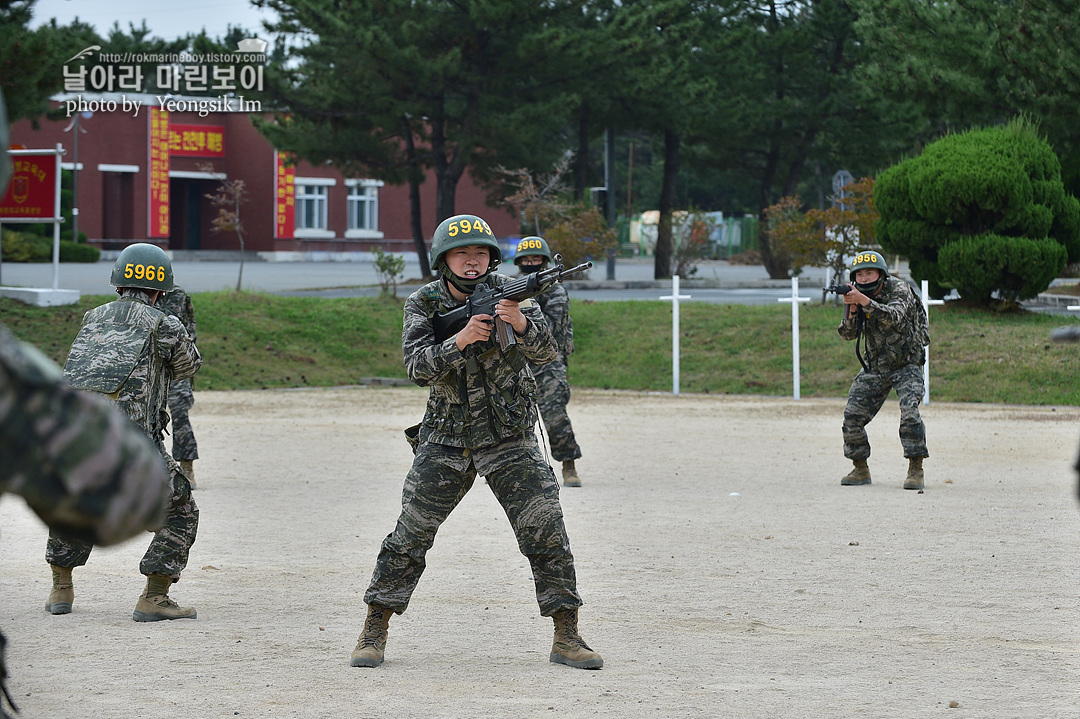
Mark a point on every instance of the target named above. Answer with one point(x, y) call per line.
point(532, 254)
point(479, 420)
point(887, 315)
point(130, 351)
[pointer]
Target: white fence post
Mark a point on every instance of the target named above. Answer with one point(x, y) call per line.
point(675, 297)
point(926, 302)
point(795, 300)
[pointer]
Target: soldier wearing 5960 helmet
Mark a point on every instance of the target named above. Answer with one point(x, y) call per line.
point(887, 315)
point(130, 351)
point(479, 420)
point(532, 254)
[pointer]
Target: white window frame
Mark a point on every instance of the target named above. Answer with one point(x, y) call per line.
point(361, 194)
point(321, 203)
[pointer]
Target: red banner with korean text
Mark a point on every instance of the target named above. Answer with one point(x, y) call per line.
point(285, 199)
point(196, 140)
point(158, 216)
point(32, 192)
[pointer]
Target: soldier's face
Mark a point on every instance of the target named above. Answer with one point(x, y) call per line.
point(867, 276)
point(469, 261)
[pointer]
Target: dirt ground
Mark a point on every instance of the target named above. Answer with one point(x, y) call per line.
point(725, 572)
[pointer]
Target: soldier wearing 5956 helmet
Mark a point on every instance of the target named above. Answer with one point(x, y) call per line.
point(532, 254)
point(888, 317)
point(479, 420)
point(130, 351)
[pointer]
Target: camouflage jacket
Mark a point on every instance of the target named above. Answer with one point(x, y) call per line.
point(79, 463)
point(178, 304)
point(555, 304)
point(895, 329)
point(481, 396)
point(131, 351)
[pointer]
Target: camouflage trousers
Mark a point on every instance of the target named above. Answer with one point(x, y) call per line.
point(554, 393)
point(168, 552)
point(181, 398)
point(439, 479)
point(868, 393)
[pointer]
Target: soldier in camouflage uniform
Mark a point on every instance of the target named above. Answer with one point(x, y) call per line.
point(185, 449)
point(479, 419)
point(81, 465)
point(130, 351)
point(532, 255)
point(889, 318)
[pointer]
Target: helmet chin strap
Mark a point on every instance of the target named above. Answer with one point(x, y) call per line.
point(463, 285)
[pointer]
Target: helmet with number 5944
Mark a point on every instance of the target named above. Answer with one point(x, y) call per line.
point(143, 265)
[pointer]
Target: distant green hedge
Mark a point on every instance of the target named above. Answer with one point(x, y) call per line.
point(20, 247)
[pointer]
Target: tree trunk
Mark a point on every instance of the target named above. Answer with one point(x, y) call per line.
point(581, 169)
point(662, 264)
point(415, 178)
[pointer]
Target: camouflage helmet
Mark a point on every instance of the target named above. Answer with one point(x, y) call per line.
point(460, 231)
point(143, 265)
point(532, 246)
point(868, 259)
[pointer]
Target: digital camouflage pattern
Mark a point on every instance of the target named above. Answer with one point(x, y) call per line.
point(479, 420)
point(895, 331)
point(131, 351)
point(868, 393)
point(478, 397)
point(177, 302)
point(439, 479)
point(551, 377)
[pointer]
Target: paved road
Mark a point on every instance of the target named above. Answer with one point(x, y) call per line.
point(715, 281)
point(633, 278)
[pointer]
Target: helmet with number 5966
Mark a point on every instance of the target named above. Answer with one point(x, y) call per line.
point(143, 265)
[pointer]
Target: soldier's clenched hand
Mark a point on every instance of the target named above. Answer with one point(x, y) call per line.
point(478, 329)
point(510, 312)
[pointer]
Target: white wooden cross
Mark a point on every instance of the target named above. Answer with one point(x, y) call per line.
point(675, 297)
point(926, 302)
point(795, 300)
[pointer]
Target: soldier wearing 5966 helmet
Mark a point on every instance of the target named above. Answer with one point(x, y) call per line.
point(479, 420)
point(130, 351)
point(532, 254)
point(887, 315)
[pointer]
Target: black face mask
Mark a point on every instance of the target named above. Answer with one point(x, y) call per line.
point(869, 288)
point(529, 269)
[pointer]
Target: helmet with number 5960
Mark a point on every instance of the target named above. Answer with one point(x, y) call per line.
point(143, 265)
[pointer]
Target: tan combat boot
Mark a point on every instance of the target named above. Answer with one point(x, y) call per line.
point(914, 473)
point(569, 648)
point(372, 643)
point(860, 474)
point(63, 591)
point(569, 474)
point(187, 466)
point(154, 604)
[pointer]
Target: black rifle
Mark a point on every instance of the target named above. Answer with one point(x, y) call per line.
point(484, 299)
point(841, 289)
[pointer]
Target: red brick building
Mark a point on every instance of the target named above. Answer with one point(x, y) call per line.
point(131, 166)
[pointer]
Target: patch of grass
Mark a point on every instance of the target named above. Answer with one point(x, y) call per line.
point(252, 340)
